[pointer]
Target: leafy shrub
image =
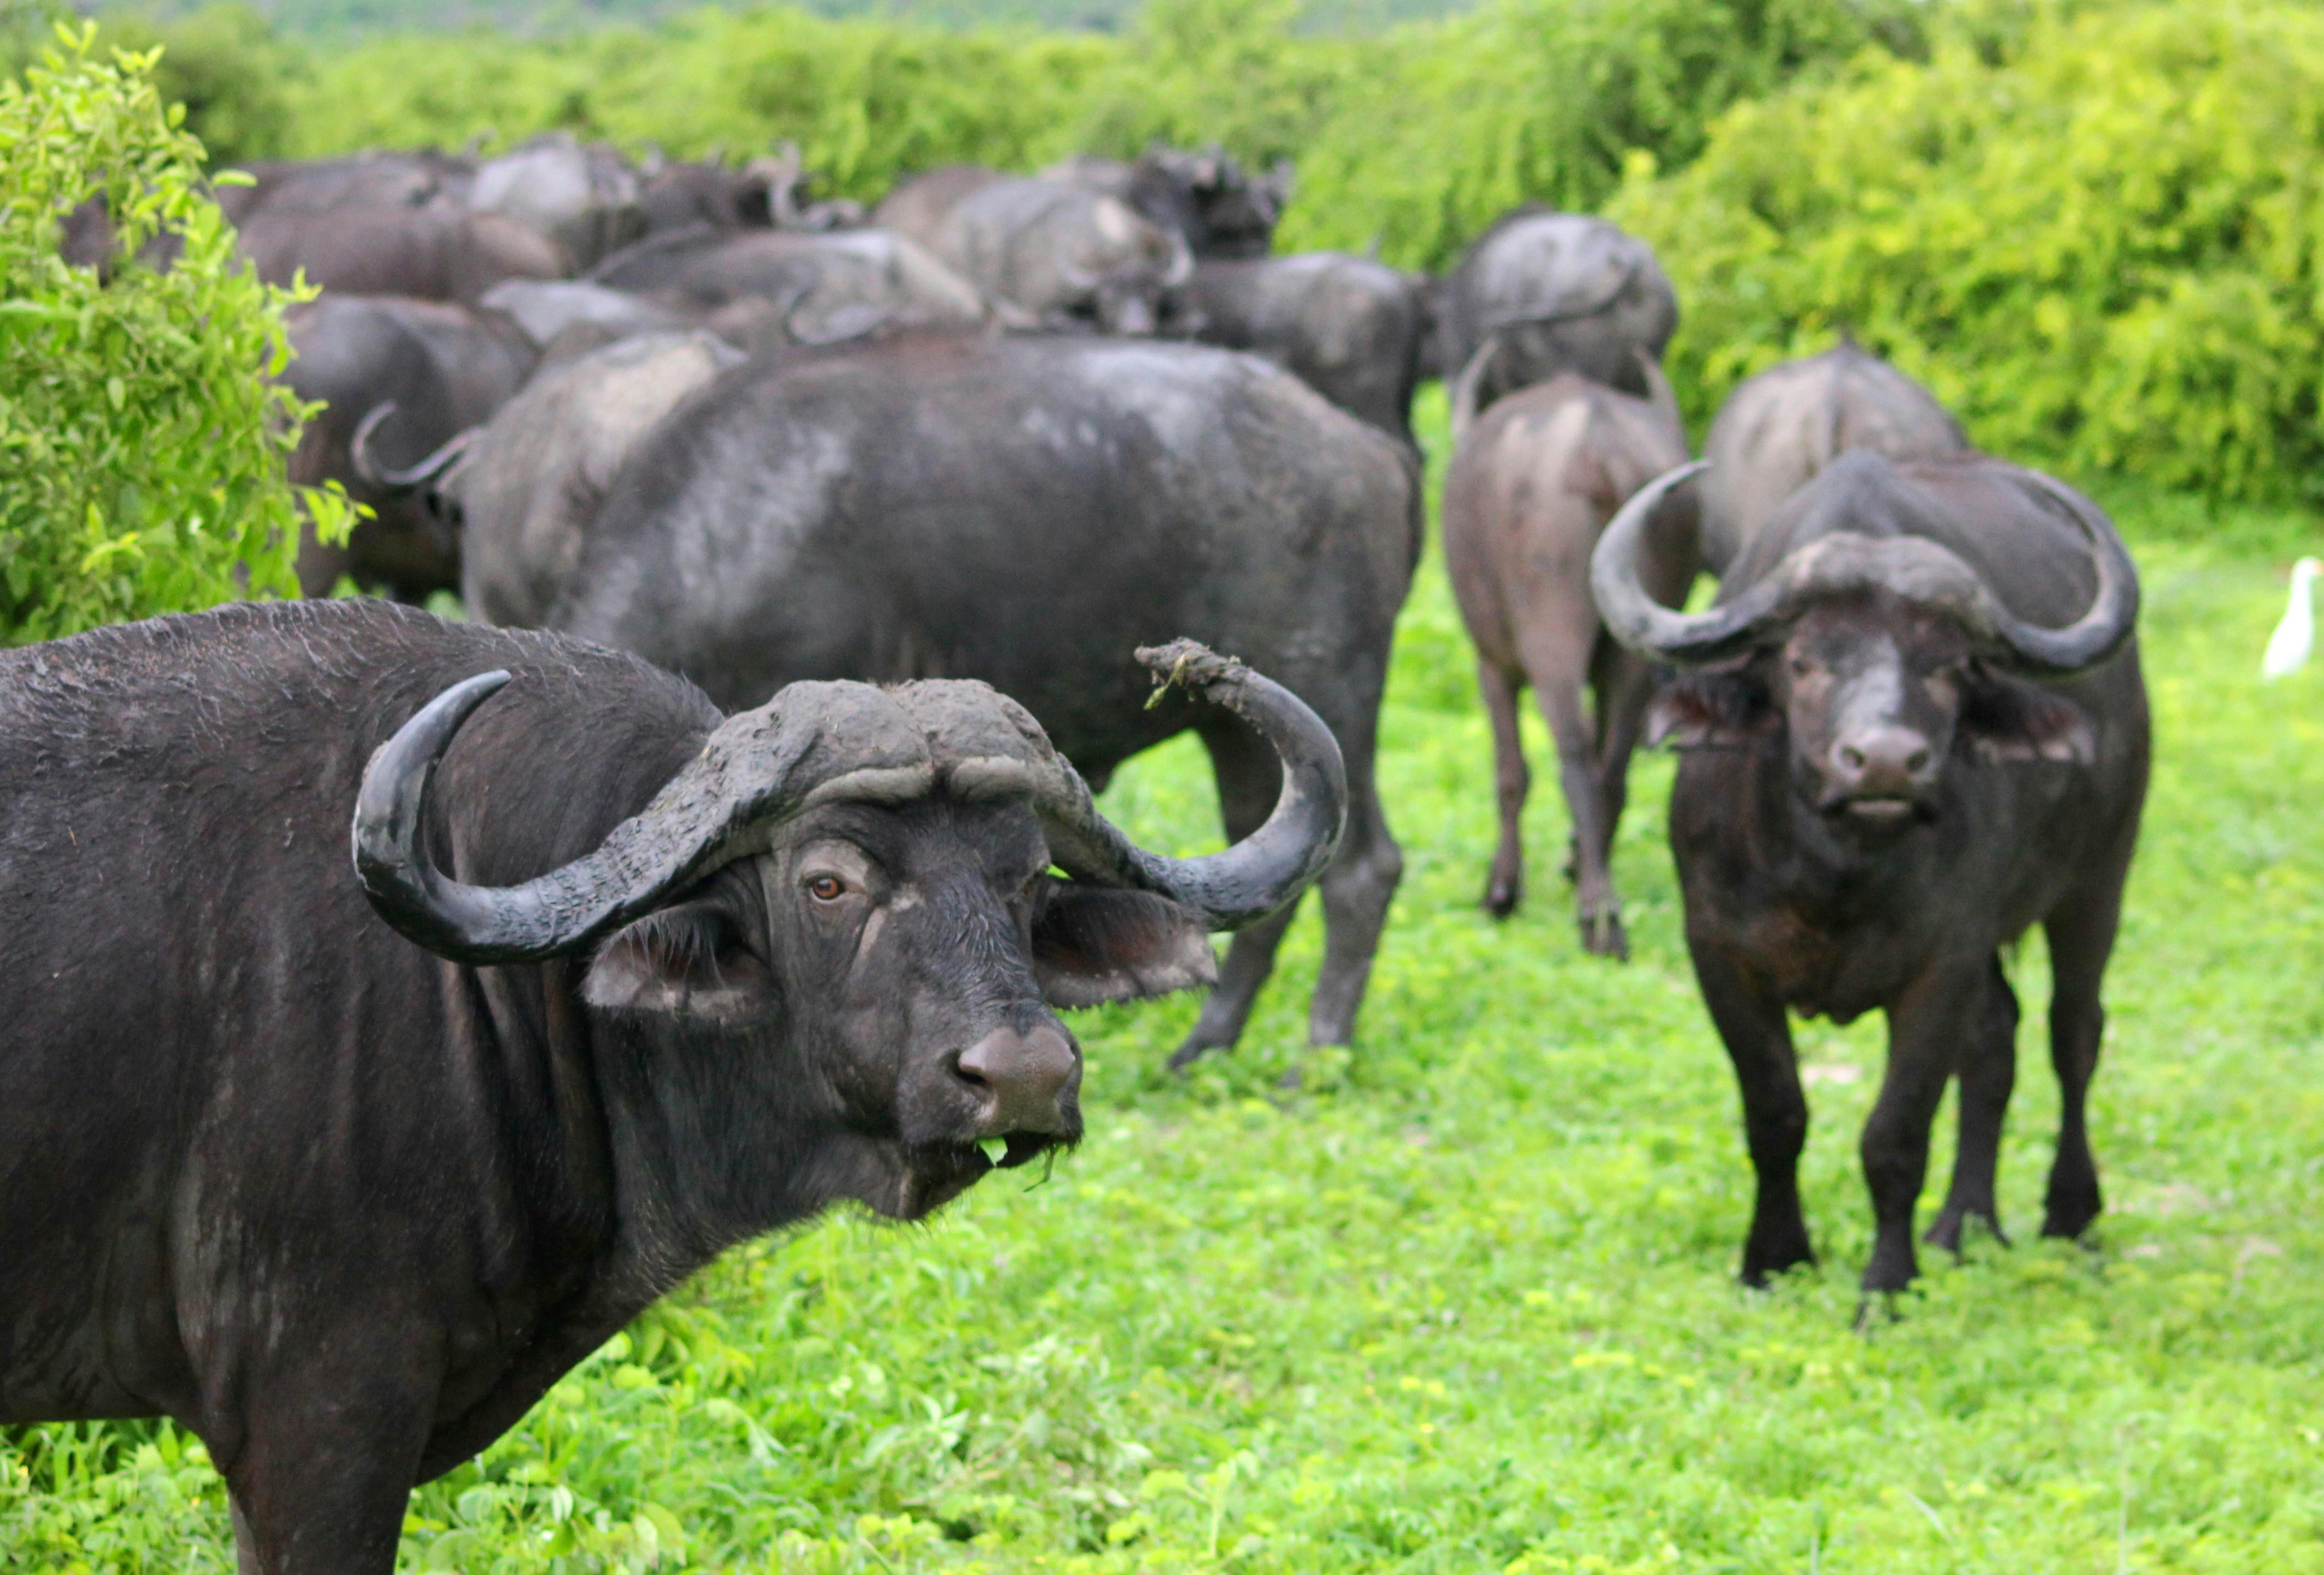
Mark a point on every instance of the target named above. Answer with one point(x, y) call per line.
point(866, 101)
point(1541, 100)
point(142, 459)
point(2098, 240)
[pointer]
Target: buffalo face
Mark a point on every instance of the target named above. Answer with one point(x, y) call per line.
point(826, 955)
point(884, 966)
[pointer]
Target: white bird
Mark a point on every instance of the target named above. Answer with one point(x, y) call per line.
point(2295, 636)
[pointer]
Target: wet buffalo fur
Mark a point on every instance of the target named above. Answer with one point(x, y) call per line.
point(344, 1208)
point(1870, 809)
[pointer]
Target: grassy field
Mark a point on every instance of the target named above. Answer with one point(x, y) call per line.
point(1467, 1304)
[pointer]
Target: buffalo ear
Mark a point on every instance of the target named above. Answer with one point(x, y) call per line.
point(1718, 709)
point(1092, 945)
point(686, 959)
point(2004, 719)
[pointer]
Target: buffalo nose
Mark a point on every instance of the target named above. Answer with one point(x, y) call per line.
point(1883, 761)
point(1019, 1079)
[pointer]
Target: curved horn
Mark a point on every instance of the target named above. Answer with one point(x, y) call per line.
point(400, 480)
point(813, 741)
point(1265, 871)
point(1645, 625)
point(2100, 632)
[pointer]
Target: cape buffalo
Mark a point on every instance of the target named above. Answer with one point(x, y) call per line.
point(434, 252)
point(1779, 429)
point(1222, 211)
point(400, 381)
point(1349, 328)
point(1914, 725)
point(1530, 488)
point(357, 180)
point(548, 309)
point(587, 200)
point(530, 480)
point(765, 287)
point(920, 204)
point(1543, 292)
point(1027, 510)
point(344, 1196)
point(1070, 258)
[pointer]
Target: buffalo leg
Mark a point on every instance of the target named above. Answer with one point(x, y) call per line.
point(1758, 1039)
point(320, 1482)
point(1506, 885)
point(1625, 687)
point(1558, 674)
point(2082, 938)
point(1988, 1071)
point(1357, 890)
point(1925, 1032)
point(1248, 778)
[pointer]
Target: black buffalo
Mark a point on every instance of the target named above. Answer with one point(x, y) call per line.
point(1067, 257)
point(345, 1200)
point(400, 379)
point(1206, 195)
point(1027, 510)
point(1350, 328)
point(1543, 292)
point(1914, 726)
point(771, 288)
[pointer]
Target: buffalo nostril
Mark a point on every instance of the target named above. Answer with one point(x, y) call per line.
point(1917, 761)
point(1851, 757)
point(1020, 1078)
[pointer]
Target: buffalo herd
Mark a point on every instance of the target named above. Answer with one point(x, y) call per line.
point(398, 1005)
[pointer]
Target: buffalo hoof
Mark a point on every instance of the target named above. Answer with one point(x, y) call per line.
point(1876, 1309)
point(1759, 1268)
point(1945, 1230)
point(1192, 1051)
point(1602, 937)
point(1501, 898)
point(2069, 1221)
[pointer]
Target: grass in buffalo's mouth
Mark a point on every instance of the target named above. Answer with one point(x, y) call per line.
point(1467, 1302)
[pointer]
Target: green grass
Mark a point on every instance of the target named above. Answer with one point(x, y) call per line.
point(1469, 1304)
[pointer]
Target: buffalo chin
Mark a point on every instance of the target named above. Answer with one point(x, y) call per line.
point(922, 1178)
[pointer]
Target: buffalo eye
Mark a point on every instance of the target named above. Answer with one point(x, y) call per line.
point(826, 887)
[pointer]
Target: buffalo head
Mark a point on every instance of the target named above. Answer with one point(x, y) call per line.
point(862, 908)
point(1873, 659)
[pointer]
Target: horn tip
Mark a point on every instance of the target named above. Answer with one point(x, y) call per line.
point(1188, 664)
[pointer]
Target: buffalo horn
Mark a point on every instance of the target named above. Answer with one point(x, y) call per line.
point(1265, 871)
point(400, 480)
point(2100, 631)
point(1645, 625)
point(1911, 566)
point(813, 738)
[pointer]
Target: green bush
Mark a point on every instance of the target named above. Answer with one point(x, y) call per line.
point(1540, 101)
point(142, 458)
point(2098, 241)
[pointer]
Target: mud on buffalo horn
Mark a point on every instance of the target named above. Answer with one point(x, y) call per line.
point(1909, 566)
point(816, 742)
